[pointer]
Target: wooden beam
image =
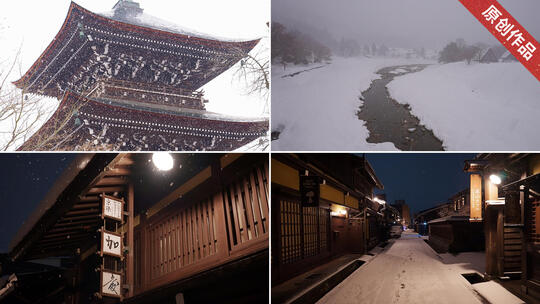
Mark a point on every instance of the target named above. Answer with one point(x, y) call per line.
point(178, 192)
point(126, 161)
point(83, 211)
point(86, 206)
point(77, 218)
point(62, 241)
point(89, 198)
point(78, 223)
point(118, 172)
point(68, 229)
point(130, 276)
point(64, 235)
point(112, 181)
point(105, 190)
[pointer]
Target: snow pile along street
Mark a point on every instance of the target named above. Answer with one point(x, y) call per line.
point(474, 107)
point(316, 109)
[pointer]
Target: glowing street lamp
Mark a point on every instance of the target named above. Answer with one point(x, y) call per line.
point(163, 161)
point(495, 179)
point(380, 201)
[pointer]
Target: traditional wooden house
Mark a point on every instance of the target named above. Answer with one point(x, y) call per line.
point(510, 198)
point(322, 207)
point(508, 57)
point(490, 54)
point(449, 227)
point(130, 81)
point(130, 233)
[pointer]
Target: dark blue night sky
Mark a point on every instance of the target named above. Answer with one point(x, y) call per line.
point(423, 180)
point(25, 178)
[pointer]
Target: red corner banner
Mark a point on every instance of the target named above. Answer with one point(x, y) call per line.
point(509, 32)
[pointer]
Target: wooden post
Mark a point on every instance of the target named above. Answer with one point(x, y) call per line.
point(144, 272)
point(130, 278)
point(490, 226)
point(527, 229)
point(500, 241)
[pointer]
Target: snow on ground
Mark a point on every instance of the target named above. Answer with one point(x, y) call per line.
point(475, 107)
point(407, 272)
point(398, 71)
point(496, 294)
point(316, 109)
point(465, 262)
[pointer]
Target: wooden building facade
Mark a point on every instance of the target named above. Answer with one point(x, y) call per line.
point(204, 224)
point(346, 220)
point(511, 196)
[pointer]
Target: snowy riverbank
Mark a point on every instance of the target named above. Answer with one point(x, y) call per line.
point(474, 107)
point(316, 109)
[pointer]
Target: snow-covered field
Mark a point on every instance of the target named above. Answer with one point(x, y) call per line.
point(316, 109)
point(475, 107)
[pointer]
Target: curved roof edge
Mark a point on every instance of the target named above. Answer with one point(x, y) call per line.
point(67, 176)
point(248, 44)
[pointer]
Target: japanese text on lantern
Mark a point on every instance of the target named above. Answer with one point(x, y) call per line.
point(476, 197)
point(509, 31)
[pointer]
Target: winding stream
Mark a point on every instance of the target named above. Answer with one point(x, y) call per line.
point(389, 121)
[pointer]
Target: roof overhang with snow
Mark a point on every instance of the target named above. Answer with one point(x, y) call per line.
point(90, 47)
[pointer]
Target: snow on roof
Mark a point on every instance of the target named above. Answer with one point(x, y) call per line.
point(507, 55)
point(66, 177)
point(483, 52)
point(147, 20)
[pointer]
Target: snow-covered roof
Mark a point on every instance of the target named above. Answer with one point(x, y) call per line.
point(143, 19)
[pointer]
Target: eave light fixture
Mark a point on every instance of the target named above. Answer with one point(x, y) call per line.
point(380, 201)
point(163, 161)
point(495, 179)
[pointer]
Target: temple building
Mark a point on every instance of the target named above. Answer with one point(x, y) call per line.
point(130, 81)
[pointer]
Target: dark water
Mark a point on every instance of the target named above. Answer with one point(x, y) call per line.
point(389, 121)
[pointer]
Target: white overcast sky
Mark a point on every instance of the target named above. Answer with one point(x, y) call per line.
point(34, 23)
point(400, 23)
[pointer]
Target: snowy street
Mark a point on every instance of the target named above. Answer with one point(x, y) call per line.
point(407, 271)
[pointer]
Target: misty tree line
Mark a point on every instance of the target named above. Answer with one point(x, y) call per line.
point(295, 47)
point(351, 48)
point(458, 50)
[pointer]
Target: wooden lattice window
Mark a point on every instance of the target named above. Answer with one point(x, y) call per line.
point(291, 245)
point(183, 238)
point(304, 231)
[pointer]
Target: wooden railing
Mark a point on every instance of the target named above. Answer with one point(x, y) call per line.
point(246, 206)
point(212, 232)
